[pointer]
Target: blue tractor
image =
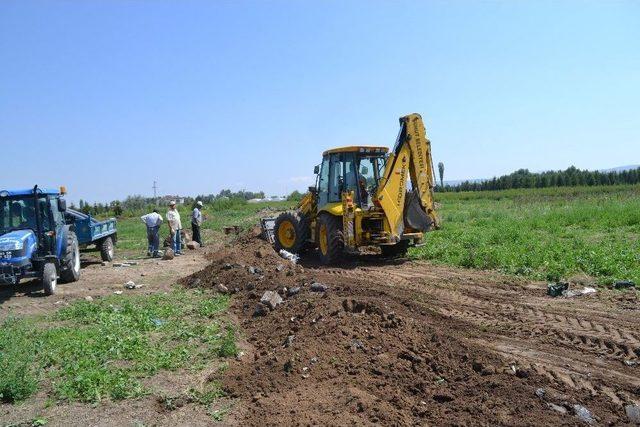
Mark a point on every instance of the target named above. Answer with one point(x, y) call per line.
point(35, 239)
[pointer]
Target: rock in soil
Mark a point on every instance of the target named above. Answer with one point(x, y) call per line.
point(583, 414)
point(193, 245)
point(260, 310)
point(271, 299)
point(168, 254)
point(222, 288)
point(557, 408)
point(633, 413)
point(293, 291)
point(319, 287)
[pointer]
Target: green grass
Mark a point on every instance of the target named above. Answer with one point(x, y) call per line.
point(549, 233)
point(132, 234)
point(96, 350)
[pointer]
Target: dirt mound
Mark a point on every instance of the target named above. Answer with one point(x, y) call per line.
point(358, 345)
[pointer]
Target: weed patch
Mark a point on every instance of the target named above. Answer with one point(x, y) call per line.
point(104, 348)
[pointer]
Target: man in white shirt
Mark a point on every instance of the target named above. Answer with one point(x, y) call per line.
point(175, 226)
point(196, 222)
point(152, 221)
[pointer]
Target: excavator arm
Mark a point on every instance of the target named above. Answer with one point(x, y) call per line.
point(411, 158)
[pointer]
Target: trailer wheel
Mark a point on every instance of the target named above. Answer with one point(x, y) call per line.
point(398, 250)
point(106, 249)
point(330, 238)
point(70, 271)
point(49, 278)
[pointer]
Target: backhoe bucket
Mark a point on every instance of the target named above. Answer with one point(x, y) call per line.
point(414, 214)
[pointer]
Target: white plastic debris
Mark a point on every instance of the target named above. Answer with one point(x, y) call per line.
point(585, 291)
point(288, 255)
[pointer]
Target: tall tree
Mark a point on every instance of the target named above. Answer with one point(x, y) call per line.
point(441, 171)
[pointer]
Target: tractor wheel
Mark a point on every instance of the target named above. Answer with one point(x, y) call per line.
point(106, 249)
point(49, 278)
point(330, 238)
point(291, 232)
point(398, 250)
point(70, 265)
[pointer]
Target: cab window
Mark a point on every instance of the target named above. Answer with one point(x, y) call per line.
point(323, 182)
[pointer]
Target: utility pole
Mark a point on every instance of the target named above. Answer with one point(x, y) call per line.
point(155, 190)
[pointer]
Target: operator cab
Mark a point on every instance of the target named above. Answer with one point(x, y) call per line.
point(18, 212)
point(356, 169)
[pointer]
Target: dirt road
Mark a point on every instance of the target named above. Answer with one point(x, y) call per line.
point(415, 343)
point(100, 280)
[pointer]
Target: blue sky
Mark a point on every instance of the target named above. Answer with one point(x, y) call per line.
point(108, 96)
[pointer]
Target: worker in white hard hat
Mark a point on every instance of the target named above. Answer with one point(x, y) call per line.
point(196, 222)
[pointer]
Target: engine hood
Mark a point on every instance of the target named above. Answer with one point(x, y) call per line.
point(17, 240)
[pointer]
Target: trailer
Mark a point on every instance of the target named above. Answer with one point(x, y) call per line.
point(102, 235)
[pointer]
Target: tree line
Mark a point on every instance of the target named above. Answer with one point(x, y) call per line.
point(571, 177)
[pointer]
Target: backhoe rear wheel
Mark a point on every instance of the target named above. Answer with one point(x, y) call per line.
point(398, 250)
point(291, 232)
point(330, 238)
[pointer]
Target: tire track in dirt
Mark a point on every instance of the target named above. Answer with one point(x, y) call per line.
point(553, 340)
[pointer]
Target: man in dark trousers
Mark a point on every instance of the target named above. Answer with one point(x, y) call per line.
point(153, 221)
point(196, 222)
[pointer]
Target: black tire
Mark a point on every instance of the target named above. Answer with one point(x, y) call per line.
point(398, 250)
point(70, 265)
point(106, 249)
point(291, 232)
point(49, 278)
point(332, 249)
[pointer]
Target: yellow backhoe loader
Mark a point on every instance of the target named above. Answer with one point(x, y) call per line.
point(361, 198)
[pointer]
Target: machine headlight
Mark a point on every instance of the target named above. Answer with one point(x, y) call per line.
point(11, 246)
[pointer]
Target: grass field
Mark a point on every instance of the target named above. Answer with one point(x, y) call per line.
point(96, 350)
point(546, 234)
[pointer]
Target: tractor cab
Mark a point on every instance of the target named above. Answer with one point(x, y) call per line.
point(350, 169)
point(31, 216)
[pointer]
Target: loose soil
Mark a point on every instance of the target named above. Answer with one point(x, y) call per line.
point(404, 343)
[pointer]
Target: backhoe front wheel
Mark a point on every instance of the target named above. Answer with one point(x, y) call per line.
point(291, 232)
point(330, 238)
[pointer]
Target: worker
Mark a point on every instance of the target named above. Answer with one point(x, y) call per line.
point(153, 221)
point(17, 216)
point(175, 227)
point(196, 222)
